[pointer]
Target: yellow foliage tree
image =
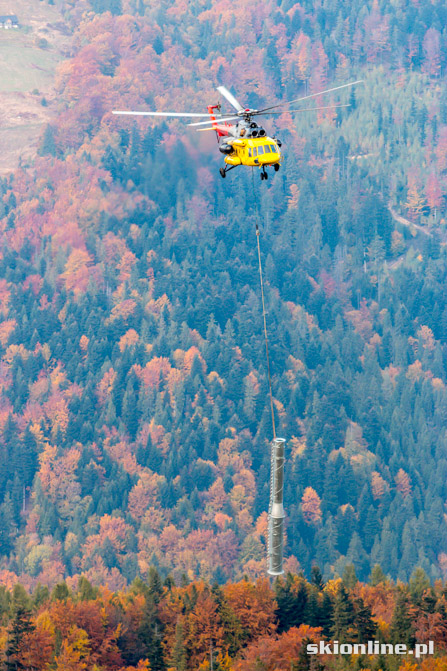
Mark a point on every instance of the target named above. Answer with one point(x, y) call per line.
point(311, 506)
point(130, 338)
point(74, 651)
point(415, 202)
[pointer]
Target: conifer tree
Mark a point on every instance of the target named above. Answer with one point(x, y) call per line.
point(349, 577)
point(364, 625)
point(60, 592)
point(20, 626)
point(291, 597)
point(179, 656)
point(149, 636)
point(48, 145)
point(40, 595)
point(419, 583)
point(342, 616)
point(312, 615)
point(377, 575)
point(317, 577)
point(86, 591)
point(401, 623)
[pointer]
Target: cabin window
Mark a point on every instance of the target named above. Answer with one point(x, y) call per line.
point(267, 149)
point(249, 151)
point(255, 151)
point(260, 149)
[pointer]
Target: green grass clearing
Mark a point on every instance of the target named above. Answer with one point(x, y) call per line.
point(24, 67)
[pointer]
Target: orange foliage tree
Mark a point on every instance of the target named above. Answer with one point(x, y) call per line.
point(254, 605)
point(310, 505)
point(278, 653)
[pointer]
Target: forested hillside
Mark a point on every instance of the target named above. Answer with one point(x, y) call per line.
point(134, 409)
point(240, 626)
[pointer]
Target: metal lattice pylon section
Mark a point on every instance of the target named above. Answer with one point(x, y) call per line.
point(275, 541)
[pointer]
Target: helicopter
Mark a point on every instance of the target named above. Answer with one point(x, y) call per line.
point(244, 142)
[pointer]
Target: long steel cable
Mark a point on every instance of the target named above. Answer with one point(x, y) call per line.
point(263, 311)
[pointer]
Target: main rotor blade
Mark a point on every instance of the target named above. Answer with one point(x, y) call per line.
point(173, 114)
point(219, 120)
point(312, 95)
point(230, 97)
point(306, 109)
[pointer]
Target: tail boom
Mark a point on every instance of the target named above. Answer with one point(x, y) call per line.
point(220, 129)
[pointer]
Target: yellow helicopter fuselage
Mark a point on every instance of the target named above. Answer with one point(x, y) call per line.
point(252, 151)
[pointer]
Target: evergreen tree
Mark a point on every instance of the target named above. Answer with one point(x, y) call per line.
point(155, 584)
point(179, 656)
point(86, 591)
point(317, 577)
point(234, 633)
point(306, 662)
point(349, 577)
point(47, 146)
point(7, 525)
point(312, 615)
point(21, 625)
point(401, 629)
point(291, 597)
point(60, 592)
point(41, 594)
point(113, 6)
point(364, 625)
point(419, 584)
point(342, 617)
point(377, 575)
point(149, 636)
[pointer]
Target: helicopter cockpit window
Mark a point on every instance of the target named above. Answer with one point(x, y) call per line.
point(260, 149)
point(273, 149)
point(267, 149)
point(255, 151)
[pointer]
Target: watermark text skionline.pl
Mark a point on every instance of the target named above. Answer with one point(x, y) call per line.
point(369, 648)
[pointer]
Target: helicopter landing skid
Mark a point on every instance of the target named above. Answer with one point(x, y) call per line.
point(223, 171)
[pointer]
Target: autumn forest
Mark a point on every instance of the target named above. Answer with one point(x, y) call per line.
point(239, 626)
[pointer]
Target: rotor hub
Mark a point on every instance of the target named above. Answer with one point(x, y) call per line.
point(247, 113)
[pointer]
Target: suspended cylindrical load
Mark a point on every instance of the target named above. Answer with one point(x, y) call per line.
point(276, 509)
